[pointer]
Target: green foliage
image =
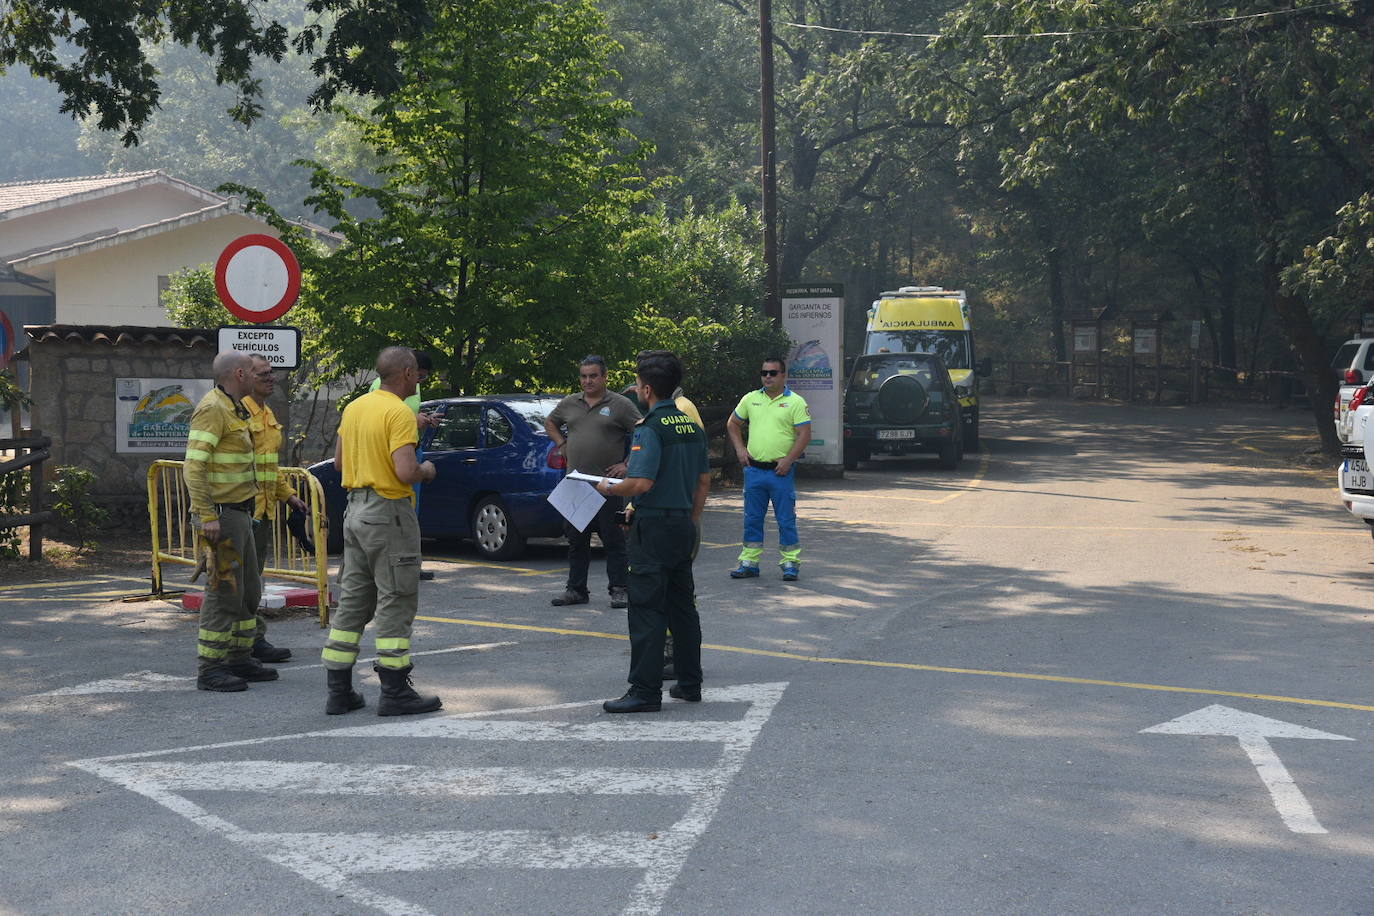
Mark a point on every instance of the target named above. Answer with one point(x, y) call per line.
point(95, 53)
point(1339, 269)
point(192, 301)
point(70, 493)
point(11, 395)
point(509, 187)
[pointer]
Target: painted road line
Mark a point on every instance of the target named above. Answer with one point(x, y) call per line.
point(80, 583)
point(152, 682)
point(321, 778)
point(342, 861)
point(1254, 733)
point(938, 669)
point(504, 567)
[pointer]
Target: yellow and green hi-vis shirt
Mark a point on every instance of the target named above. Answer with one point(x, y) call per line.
point(267, 440)
point(772, 422)
point(219, 455)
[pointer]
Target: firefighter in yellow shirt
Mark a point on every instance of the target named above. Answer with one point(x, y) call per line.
point(272, 489)
point(222, 484)
point(380, 578)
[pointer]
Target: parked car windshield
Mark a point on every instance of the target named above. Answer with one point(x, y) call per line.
point(950, 346)
point(1345, 356)
point(871, 371)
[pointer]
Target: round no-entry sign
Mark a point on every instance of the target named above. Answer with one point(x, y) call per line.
point(257, 278)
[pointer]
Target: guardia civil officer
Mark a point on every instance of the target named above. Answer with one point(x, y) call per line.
point(668, 478)
point(272, 487)
point(220, 479)
point(375, 456)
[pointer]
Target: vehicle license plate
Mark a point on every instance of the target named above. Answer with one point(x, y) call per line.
point(1355, 475)
point(896, 434)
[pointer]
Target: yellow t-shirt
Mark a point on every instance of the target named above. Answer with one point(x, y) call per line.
point(373, 427)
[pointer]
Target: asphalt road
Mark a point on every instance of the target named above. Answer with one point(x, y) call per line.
point(951, 712)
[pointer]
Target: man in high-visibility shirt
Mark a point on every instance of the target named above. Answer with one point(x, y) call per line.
point(779, 431)
point(375, 456)
point(220, 478)
point(272, 489)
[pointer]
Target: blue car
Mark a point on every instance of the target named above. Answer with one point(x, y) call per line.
point(496, 467)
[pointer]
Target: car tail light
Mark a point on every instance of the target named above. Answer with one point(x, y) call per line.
point(1358, 399)
point(556, 460)
point(1352, 377)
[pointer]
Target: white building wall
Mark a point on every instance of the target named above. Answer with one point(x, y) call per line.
point(118, 284)
point(109, 213)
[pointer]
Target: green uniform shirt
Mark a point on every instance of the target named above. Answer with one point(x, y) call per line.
point(772, 422)
point(669, 449)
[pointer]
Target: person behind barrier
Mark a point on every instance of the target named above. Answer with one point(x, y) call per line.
point(668, 478)
point(272, 488)
point(380, 577)
point(220, 479)
point(599, 424)
point(779, 431)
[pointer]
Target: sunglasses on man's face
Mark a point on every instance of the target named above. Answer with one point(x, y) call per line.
point(769, 372)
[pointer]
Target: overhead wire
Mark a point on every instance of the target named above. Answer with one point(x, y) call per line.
point(1106, 30)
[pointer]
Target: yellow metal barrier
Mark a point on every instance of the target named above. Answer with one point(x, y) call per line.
point(175, 537)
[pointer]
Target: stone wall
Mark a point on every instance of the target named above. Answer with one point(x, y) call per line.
point(73, 390)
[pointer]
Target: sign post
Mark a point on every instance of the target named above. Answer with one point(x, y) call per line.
point(258, 279)
point(813, 317)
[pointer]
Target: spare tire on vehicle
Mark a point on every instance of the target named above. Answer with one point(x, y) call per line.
point(902, 400)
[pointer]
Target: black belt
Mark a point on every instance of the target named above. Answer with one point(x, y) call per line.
point(655, 511)
point(245, 506)
point(763, 465)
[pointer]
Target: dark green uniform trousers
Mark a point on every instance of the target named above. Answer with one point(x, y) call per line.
point(229, 613)
point(662, 596)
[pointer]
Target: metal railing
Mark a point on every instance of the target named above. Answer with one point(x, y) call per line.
point(175, 536)
point(29, 453)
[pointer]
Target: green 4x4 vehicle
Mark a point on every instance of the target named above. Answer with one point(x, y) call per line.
point(898, 403)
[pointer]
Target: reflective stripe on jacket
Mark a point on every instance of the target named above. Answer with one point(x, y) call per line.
point(219, 455)
point(267, 441)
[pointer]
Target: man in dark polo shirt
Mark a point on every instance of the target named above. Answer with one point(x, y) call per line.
point(598, 425)
point(668, 478)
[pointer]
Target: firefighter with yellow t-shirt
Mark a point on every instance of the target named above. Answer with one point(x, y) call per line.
point(221, 482)
point(272, 488)
point(380, 581)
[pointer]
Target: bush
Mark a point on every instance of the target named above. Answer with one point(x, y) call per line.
point(69, 490)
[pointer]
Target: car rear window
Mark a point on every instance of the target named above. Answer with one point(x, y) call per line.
point(534, 412)
point(1345, 356)
point(871, 372)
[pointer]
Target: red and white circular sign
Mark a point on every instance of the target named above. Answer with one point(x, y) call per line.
point(257, 278)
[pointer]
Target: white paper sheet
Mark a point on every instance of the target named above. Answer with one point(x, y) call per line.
point(577, 501)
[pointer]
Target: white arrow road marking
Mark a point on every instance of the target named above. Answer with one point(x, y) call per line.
point(150, 681)
point(341, 862)
point(1253, 733)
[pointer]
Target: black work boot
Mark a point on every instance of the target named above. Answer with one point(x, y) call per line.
point(264, 651)
point(250, 669)
point(342, 697)
point(221, 680)
point(399, 697)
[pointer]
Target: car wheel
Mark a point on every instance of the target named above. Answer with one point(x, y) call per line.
point(493, 532)
point(971, 443)
point(949, 455)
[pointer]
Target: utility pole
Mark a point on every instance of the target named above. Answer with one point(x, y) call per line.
point(772, 305)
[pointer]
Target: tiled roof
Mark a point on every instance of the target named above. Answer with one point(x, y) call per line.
point(17, 194)
point(93, 243)
point(119, 334)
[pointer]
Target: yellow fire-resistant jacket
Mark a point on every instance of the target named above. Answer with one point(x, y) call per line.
point(267, 439)
point(219, 455)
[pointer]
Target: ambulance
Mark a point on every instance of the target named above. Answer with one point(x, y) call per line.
point(928, 319)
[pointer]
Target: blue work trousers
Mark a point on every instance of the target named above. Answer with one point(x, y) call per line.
point(762, 486)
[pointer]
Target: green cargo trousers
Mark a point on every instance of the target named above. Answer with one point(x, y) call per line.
point(229, 613)
point(263, 539)
point(379, 580)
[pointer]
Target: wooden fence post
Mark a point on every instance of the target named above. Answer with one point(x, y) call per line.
point(36, 505)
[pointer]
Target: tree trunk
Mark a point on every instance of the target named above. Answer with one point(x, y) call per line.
point(1054, 267)
point(1297, 320)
